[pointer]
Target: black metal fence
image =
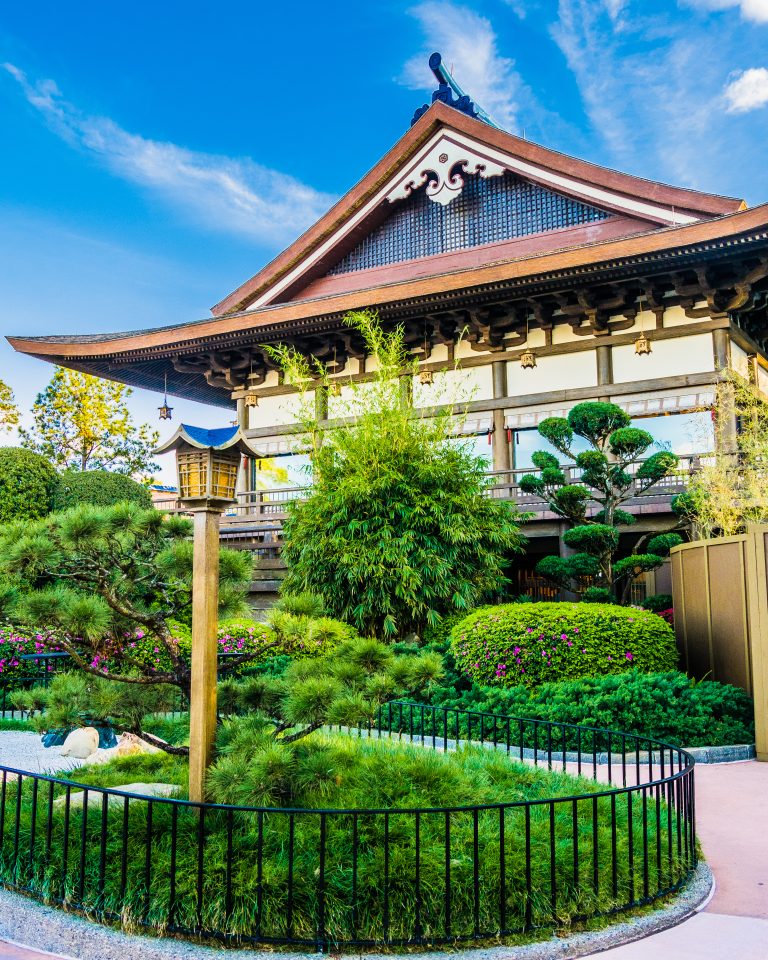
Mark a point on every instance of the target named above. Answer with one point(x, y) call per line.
point(332, 877)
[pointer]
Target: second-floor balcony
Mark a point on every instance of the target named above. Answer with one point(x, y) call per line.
point(255, 521)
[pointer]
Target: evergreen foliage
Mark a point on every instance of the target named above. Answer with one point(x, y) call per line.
point(27, 485)
point(101, 488)
point(397, 530)
point(532, 643)
point(605, 479)
point(101, 578)
point(665, 706)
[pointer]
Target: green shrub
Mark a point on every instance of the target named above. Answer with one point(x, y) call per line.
point(663, 706)
point(99, 488)
point(657, 602)
point(27, 484)
point(534, 643)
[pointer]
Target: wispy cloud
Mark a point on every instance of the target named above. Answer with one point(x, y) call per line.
point(748, 91)
point(224, 194)
point(651, 86)
point(754, 10)
point(469, 45)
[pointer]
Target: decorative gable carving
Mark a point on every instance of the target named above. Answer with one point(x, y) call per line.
point(441, 170)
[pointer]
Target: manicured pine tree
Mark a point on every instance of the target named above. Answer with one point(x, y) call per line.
point(605, 478)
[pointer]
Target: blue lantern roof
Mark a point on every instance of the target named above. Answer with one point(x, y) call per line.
point(218, 438)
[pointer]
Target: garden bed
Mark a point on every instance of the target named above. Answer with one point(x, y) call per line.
point(493, 849)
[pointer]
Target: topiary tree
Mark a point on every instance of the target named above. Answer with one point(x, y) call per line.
point(27, 484)
point(604, 479)
point(397, 530)
point(101, 579)
point(99, 488)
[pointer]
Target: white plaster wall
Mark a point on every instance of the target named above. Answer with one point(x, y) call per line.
point(563, 333)
point(553, 373)
point(464, 349)
point(439, 353)
point(739, 360)
point(536, 338)
point(675, 317)
point(455, 386)
point(762, 379)
point(347, 404)
point(279, 410)
point(669, 358)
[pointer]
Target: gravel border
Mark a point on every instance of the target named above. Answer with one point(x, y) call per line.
point(28, 923)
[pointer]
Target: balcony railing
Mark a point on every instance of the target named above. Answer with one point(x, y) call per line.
point(254, 522)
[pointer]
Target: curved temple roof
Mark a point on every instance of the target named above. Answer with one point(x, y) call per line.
point(644, 228)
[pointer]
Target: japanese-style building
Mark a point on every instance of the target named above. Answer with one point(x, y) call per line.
point(535, 279)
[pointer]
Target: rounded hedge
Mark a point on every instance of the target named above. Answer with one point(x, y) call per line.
point(536, 643)
point(99, 488)
point(27, 484)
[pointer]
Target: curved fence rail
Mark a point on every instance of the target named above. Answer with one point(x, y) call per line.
point(328, 878)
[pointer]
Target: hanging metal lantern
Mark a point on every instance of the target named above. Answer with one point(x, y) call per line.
point(334, 389)
point(642, 345)
point(427, 378)
point(527, 359)
point(165, 410)
point(251, 398)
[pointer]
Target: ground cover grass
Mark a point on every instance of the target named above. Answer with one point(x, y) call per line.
point(352, 875)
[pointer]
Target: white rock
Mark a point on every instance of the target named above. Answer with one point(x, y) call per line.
point(81, 743)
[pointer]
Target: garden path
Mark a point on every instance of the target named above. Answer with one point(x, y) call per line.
point(732, 803)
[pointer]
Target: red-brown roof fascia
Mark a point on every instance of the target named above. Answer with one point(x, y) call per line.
point(684, 200)
point(623, 250)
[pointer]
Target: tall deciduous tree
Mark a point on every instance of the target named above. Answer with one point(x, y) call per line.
point(605, 479)
point(9, 412)
point(397, 530)
point(731, 489)
point(83, 423)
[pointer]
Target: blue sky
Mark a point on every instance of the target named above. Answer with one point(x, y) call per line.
point(156, 155)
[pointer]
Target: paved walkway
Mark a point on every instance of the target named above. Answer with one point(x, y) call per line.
point(732, 815)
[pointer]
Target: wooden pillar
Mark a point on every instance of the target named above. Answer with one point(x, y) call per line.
point(501, 453)
point(726, 427)
point(243, 471)
point(604, 367)
point(205, 615)
point(321, 402)
point(721, 348)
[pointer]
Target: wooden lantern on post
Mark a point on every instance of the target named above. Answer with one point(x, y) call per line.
point(207, 463)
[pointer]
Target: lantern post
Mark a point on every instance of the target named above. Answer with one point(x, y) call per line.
point(207, 462)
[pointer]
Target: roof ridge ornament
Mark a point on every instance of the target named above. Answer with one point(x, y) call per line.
point(451, 94)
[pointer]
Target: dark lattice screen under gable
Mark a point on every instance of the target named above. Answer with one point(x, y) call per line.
point(486, 211)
